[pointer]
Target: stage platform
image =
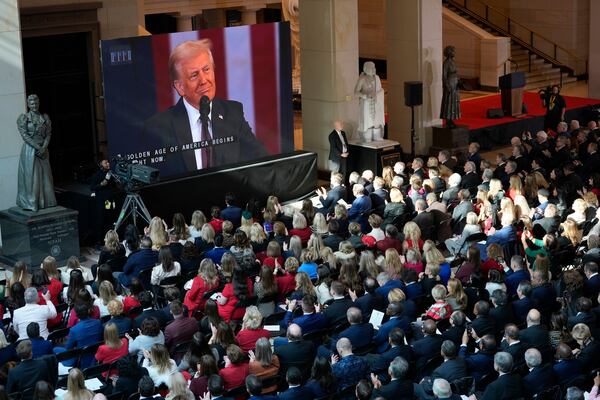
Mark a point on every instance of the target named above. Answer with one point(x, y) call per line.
point(492, 133)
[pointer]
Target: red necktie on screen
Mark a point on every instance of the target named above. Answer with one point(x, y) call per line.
point(206, 152)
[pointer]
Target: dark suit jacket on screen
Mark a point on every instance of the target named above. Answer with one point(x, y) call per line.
point(172, 128)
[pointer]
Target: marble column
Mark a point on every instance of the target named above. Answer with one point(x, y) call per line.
point(594, 60)
point(414, 53)
point(329, 65)
point(12, 98)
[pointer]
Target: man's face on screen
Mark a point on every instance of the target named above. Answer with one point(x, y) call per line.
point(196, 78)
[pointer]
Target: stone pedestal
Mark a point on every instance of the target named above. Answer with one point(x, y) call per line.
point(373, 155)
point(31, 236)
point(455, 140)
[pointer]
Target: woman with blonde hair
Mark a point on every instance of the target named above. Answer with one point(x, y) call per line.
point(315, 243)
point(571, 235)
point(252, 329)
point(198, 221)
point(308, 258)
point(112, 248)
point(106, 294)
point(515, 186)
point(431, 254)
point(206, 239)
point(540, 180)
point(345, 252)
point(21, 275)
point(496, 193)
point(295, 247)
point(228, 263)
point(393, 264)
point(76, 389)
point(206, 281)
point(340, 214)
point(159, 364)
point(457, 297)
point(300, 227)
point(113, 347)
point(328, 258)
point(73, 264)
point(413, 261)
point(157, 232)
point(51, 267)
point(319, 225)
point(304, 286)
point(579, 211)
point(412, 236)
point(258, 238)
point(396, 295)
point(367, 267)
point(521, 207)
point(178, 388)
point(395, 208)
point(387, 174)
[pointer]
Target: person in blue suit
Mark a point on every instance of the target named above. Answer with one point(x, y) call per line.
point(482, 362)
point(360, 207)
point(522, 306)
point(295, 389)
point(142, 259)
point(394, 312)
point(359, 333)
point(231, 212)
point(254, 387)
point(567, 367)
point(86, 332)
point(39, 345)
point(309, 321)
point(369, 300)
point(515, 275)
point(412, 287)
point(540, 377)
point(501, 237)
point(386, 285)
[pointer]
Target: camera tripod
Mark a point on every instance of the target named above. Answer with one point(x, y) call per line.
point(134, 206)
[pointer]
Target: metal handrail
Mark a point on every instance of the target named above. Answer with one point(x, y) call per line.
point(529, 45)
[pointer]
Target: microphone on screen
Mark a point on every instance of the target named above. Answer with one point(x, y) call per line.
point(204, 107)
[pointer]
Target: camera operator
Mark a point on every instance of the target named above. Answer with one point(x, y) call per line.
point(103, 187)
point(555, 107)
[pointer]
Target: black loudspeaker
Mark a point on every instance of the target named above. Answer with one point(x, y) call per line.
point(495, 113)
point(413, 93)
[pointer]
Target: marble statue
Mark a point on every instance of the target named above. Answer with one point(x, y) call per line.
point(370, 104)
point(291, 13)
point(35, 188)
point(450, 109)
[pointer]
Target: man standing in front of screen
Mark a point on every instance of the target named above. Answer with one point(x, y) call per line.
point(207, 131)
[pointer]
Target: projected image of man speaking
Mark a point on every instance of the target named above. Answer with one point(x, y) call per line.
point(201, 130)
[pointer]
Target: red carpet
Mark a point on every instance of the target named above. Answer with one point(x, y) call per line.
point(474, 110)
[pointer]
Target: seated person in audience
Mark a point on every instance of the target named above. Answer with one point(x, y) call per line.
point(254, 387)
point(502, 312)
point(216, 253)
point(333, 239)
point(113, 347)
point(308, 266)
point(512, 345)
point(359, 333)
point(115, 310)
point(369, 300)
point(309, 321)
point(567, 366)
point(263, 363)
point(480, 363)
point(453, 367)
point(386, 284)
point(207, 366)
point(132, 301)
point(39, 345)
point(360, 207)
point(295, 391)
point(508, 385)
point(394, 312)
point(236, 367)
point(159, 364)
point(347, 367)
point(516, 274)
point(147, 304)
point(28, 372)
point(143, 259)
point(539, 377)
point(240, 289)
point(252, 329)
point(33, 312)
point(483, 324)
point(413, 287)
point(429, 346)
point(390, 241)
point(536, 334)
point(543, 293)
point(458, 325)
point(146, 389)
point(585, 315)
point(400, 387)
point(330, 198)
point(86, 332)
point(589, 348)
point(182, 329)
point(502, 236)
point(440, 309)
point(397, 347)
point(335, 312)
point(522, 306)
point(295, 351)
point(149, 335)
point(321, 382)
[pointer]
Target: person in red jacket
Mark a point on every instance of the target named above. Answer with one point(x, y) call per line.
point(252, 329)
point(240, 288)
point(206, 281)
point(236, 367)
point(113, 347)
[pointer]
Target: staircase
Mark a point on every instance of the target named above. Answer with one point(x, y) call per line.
point(540, 72)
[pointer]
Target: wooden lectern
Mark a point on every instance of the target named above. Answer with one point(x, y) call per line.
point(511, 90)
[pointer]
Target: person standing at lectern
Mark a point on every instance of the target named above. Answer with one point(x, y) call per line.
point(338, 149)
point(199, 117)
point(555, 108)
point(450, 99)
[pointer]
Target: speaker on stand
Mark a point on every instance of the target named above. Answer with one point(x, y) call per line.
point(413, 96)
